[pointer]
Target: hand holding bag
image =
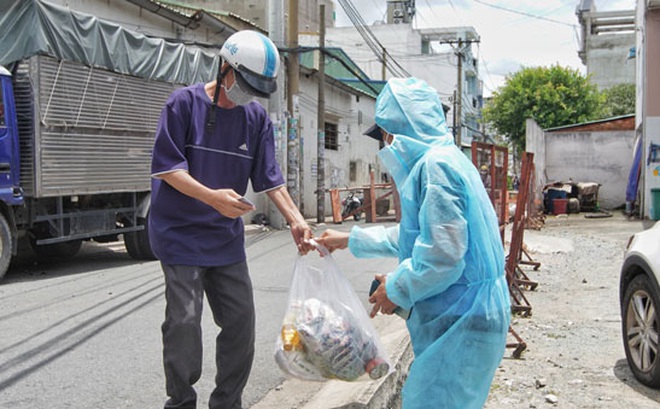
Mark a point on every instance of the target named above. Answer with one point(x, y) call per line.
point(326, 332)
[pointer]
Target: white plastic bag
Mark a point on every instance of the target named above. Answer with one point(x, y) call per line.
point(326, 332)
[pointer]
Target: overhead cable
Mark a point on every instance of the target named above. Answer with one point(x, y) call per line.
point(372, 42)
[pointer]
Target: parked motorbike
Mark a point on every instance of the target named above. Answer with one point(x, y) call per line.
point(350, 205)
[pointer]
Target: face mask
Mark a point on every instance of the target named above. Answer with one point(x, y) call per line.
point(237, 95)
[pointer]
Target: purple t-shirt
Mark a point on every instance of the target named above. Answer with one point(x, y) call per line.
point(183, 230)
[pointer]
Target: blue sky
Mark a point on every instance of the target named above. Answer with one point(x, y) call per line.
point(514, 33)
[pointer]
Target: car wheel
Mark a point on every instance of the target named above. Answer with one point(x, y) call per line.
point(641, 330)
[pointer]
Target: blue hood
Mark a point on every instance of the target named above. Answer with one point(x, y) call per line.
point(415, 130)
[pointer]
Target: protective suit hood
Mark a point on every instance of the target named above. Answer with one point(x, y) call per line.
point(415, 130)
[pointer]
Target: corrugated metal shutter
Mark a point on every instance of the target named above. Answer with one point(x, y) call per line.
point(96, 128)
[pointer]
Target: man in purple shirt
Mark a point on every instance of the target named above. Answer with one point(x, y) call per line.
point(211, 140)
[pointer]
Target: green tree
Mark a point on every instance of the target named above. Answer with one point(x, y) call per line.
point(619, 100)
point(553, 96)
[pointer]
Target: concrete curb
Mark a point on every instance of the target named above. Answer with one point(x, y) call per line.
point(381, 394)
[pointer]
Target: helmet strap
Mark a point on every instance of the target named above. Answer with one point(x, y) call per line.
point(210, 122)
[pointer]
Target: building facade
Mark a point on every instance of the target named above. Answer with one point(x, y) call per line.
point(648, 102)
point(607, 41)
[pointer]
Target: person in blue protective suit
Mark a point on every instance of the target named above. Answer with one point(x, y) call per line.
point(451, 258)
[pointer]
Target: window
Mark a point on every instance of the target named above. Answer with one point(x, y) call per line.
point(331, 136)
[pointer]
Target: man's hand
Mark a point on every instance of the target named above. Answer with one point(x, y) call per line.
point(380, 300)
point(225, 201)
point(299, 228)
point(301, 235)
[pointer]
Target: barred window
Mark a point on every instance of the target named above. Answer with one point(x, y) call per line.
point(331, 136)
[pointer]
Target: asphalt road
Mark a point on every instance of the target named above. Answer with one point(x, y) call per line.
point(86, 333)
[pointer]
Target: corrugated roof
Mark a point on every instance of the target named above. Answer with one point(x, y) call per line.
point(196, 14)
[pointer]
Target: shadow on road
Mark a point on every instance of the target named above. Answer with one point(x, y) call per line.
point(92, 256)
point(624, 374)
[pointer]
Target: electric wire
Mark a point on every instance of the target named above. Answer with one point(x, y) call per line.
point(522, 13)
point(372, 42)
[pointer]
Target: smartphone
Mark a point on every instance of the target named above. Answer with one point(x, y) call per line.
point(246, 201)
point(405, 314)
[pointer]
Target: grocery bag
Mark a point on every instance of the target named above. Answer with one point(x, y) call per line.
point(326, 332)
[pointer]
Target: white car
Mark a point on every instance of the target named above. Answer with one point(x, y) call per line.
point(639, 295)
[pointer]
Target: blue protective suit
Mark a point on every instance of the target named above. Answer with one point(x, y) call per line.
point(451, 257)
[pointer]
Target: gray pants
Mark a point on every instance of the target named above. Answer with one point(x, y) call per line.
point(229, 292)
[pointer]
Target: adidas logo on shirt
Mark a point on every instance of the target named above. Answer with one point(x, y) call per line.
point(243, 147)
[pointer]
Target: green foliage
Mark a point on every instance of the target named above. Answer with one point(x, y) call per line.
point(618, 100)
point(553, 96)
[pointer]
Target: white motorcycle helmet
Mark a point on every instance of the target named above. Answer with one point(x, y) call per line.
point(255, 60)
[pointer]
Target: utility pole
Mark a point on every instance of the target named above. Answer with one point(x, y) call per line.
point(459, 97)
point(320, 160)
point(453, 117)
point(458, 94)
point(293, 138)
point(276, 33)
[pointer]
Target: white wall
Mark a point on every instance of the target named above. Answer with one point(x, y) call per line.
point(352, 117)
point(608, 62)
point(601, 157)
point(535, 143)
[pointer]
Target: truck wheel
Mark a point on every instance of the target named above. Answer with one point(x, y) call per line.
point(131, 244)
point(5, 246)
point(137, 243)
point(56, 251)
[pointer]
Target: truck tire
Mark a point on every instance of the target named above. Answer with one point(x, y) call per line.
point(137, 243)
point(6, 244)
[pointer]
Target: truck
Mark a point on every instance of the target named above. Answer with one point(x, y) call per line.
point(76, 135)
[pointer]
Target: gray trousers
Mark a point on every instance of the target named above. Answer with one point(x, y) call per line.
point(229, 292)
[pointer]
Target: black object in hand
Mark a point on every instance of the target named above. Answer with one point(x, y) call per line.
point(405, 314)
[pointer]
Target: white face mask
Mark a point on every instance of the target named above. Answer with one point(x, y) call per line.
point(237, 95)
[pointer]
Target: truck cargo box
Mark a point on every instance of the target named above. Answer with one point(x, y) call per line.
point(85, 130)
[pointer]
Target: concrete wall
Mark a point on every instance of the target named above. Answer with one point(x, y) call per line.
point(535, 143)
point(604, 157)
point(605, 42)
point(608, 62)
point(601, 157)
